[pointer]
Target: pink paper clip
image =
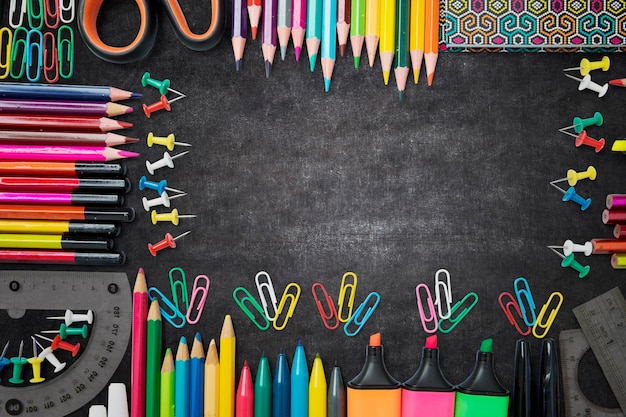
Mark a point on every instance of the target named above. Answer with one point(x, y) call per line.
point(432, 314)
point(203, 291)
point(332, 314)
point(509, 307)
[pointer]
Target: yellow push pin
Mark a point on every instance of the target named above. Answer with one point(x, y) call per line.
point(35, 363)
point(168, 141)
point(172, 216)
point(587, 66)
point(573, 177)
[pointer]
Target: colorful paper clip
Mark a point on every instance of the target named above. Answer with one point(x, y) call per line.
point(65, 8)
point(50, 63)
point(287, 296)
point(522, 294)
point(432, 315)
point(52, 16)
point(269, 288)
point(241, 302)
point(19, 48)
point(548, 322)
point(171, 317)
point(22, 13)
point(509, 307)
point(345, 287)
point(36, 15)
point(65, 51)
point(176, 285)
point(455, 320)
point(361, 316)
point(447, 291)
point(6, 41)
point(34, 55)
point(203, 292)
point(332, 311)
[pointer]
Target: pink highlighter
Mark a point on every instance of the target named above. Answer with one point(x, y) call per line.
point(428, 392)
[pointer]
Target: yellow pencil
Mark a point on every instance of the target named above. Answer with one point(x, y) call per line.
point(372, 10)
point(387, 42)
point(416, 36)
point(227, 369)
point(317, 389)
point(211, 381)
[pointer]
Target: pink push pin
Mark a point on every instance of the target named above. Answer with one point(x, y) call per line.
point(583, 139)
point(167, 242)
point(162, 104)
point(587, 84)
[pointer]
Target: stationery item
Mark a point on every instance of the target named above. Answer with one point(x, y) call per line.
point(283, 25)
point(196, 378)
point(162, 104)
point(163, 86)
point(168, 386)
point(347, 287)
point(32, 91)
point(166, 161)
point(63, 107)
point(374, 392)
point(522, 380)
point(329, 40)
point(387, 33)
point(262, 323)
point(313, 30)
point(33, 241)
point(428, 392)
point(138, 351)
point(458, 312)
point(61, 257)
point(549, 382)
point(239, 31)
point(168, 141)
point(362, 314)
point(211, 381)
point(23, 138)
point(573, 177)
point(357, 29)
point(510, 306)
point(199, 294)
point(61, 169)
point(401, 56)
point(61, 198)
point(336, 394)
point(281, 388)
point(268, 35)
point(288, 297)
point(52, 227)
point(318, 390)
point(254, 14)
point(417, 36)
point(264, 285)
point(227, 369)
point(579, 124)
point(431, 316)
point(181, 368)
point(546, 323)
point(153, 359)
point(571, 195)
point(587, 66)
point(616, 201)
point(172, 217)
point(585, 83)
point(299, 383)
point(618, 261)
point(298, 25)
point(372, 28)
point(17, 184)
point(431, 38)
point(443, 287)
point(608, 246)
point(482, 393)
point(613, 216)
point(620, 82)
point(583, 139)
point(117, 404)
point(60, 123)
point(159, 186)
point(64, 212)
point(245, 393)
point(330, 319)
point(62, 153)
point(343, 24)
point(525, 300)
point(168, 242)
point(263, 389)
point(569, 261)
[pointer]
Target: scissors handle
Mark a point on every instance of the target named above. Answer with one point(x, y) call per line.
point(202, 41)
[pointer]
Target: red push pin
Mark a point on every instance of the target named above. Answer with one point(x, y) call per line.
point(167, 242)
point(583, 139)
point(58, 343)
point(163, 103)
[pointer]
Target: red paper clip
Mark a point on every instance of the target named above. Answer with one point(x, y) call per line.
point(508, 309)
point(332, 314)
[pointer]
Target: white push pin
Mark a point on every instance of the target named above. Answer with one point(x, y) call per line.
point(117, 401)
point(163, 200)
point(573, 177)
point(570, 247)
point(71, 317)
point(97, 411)
point(166, 161)
point(587, 84)
point(49, 355)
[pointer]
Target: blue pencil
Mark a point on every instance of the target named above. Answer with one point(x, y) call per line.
point(64, 92)
point(181, 398)
point(196, 379)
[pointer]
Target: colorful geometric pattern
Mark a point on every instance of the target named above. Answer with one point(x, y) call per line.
point(534, 25)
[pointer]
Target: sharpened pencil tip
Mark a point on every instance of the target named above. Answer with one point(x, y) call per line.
point(268, 69)
point(254, 31)
point(129, 110)
point(416, 76)
point(342, 50)
point(238, 65)
point(430, 79)
point(136, 95)
point(386, 77)
point(357, 62)
point(298, 51)
point(283, 52)
point(326, 85)
point(401, 94)
point(312, 60)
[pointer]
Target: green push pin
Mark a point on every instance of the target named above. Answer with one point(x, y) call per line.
point(65, 331)
point(18, 363)
point(569, 261)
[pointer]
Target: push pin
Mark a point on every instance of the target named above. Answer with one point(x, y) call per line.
point(159, 187)
point(163, 200)
point(620, 82)
point(570, 195)
point(583, 139)
point(65, 331)
point(569, 261)
point(166, 161)
point(71, 317)
point(3, 359)
point(580, 124)
point(163, 86)
point(35, 363)
point(573, 177)
point(172, 216)
point(587, 66)
point(58, 343)
point(18, 363)
point(168, 141)
point(167, 242)
point(587, 84)
point(570, 247)
point(162, 104)
point(49, 355)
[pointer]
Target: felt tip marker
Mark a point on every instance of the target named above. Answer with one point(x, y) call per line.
point(299, 383)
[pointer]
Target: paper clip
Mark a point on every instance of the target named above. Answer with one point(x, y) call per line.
point(165, 302)
point(35, 20)
point(432, 315)
point(447, 290)
point(548, 323)
point(332, 314)
point(69, 7)
point(457, 319)
point(508, 309)
point(65, 48)
point(270, 292)
point(520, 294)
point(342, 296)
point(50, 65)
point(12, 10)
point(52, 13)
point(32, 46)
point(241, 302)
point(292, 306)
point(182, 283)
point(204, 292)
point(5, 51)
point(359, 318)
point(16, 51)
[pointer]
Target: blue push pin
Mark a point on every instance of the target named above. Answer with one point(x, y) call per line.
point(18, 363)
point(159, 187)
point(3, 360)
point(570, 195)
point(569, 261)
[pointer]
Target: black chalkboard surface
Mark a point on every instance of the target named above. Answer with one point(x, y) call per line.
point(308, 185)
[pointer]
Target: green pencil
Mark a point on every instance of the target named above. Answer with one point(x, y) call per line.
point(401, 57)
point(357, 29)
point(153, 360)
point(168, 377)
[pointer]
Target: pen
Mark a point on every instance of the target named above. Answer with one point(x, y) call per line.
point(263, 389)
point(318, 403)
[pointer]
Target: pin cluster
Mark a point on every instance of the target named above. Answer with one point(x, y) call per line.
point(163, 87)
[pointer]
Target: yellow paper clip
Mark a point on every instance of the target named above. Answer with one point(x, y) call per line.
point(182, 283)
point(447, 291)
point(455, 320)
point(269, 288)
point(540, 318)
point(509, 307)
point(5, 51)
point(361, 316)
point(241, 302)
point(332, 311)
point(432, 316)
point(156, 294)
point(204, 292)
point(351, 286)
point(292, 306)
point(524, 293)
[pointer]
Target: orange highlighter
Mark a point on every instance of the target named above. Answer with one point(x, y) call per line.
point(374, 392)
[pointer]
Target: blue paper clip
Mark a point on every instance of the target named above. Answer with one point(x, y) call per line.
point(457, 319)
point(287, 296)
point(524, 293)
point(16, 52)
point(50, 64)
point(156, 294)
point(175, 284)
point(345, 287)
point(67, 7)
point(332, 311)
point(5, 51)
point(269, 288)
point(52, 13)
point(548, 322)
point(509, 307)
point(359, 318)
point(12, 10)
point(241, 302)
point(36, 15)
point(432, 315)
point(65, 48)
point(447, 291)
point(201, 300)
point(32, 60)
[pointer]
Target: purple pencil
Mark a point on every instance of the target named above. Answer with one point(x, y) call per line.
point(63, 107)
point(240, 30)
point(269, 36)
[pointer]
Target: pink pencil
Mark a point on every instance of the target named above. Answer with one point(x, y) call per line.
point(298, 25)
point(138, 359)
point(62, 153)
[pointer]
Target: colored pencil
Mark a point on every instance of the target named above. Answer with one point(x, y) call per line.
point(298, 26)
point(64, 92)
point(387, 42)
point(33, 241)
point(431, 38)
point(196, 378)
point(357, 29)
point(22, 137)
point(329, 40)
point(18, 184)
point(138, 352)
point(263, 389)
point(54, 227)
point(254, 14)
point(281, 388)
point(416, 36)
point(299, 383)
point(619, 82)
point(61, 169)
point(343, 24)
point(227, 369)
point(318, 391)
point(372, 28)
point(63, 107)
point(181, 402)
point(64, 212)
point(60, 123)
point(61, 198)
point(211, 381)
point(168, 385)
point(336, 394)
point(239, 31)
point(62, 153)
point(153, 359)
point(269, 36)
point(61, 257)
point(283, 25)
point(245, 393)
point(401, 56)
point(313, 30)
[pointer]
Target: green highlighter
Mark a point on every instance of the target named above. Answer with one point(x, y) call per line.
point(481, 394)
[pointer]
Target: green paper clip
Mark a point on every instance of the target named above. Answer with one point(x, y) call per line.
point(182, 283)
point(16, 51)
point(241, 302)
point(455, 320)
point(65, 51)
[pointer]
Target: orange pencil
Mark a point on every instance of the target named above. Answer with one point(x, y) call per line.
point(431, 38)
point(254, 14)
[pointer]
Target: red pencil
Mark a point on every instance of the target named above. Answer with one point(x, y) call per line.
point(64, 138)
point(20, 256)
point(60, 123)
point(620, 82)
point(139, 335)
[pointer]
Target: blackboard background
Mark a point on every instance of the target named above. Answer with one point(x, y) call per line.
point(308, 185)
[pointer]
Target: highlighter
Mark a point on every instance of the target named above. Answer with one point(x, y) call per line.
point(481, 394)
point(428, 392)
point(374, 392)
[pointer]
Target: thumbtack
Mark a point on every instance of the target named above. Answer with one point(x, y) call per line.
point(587, 84)
point(163, 86)
point(167, 242)
point(3, 359)
point(570, 195)
point(163, 200)
point(159, 187)
point(569, 261)
point(35, 363)
point(18, 363)
point(579, 124)
point(583, 139)
point(162, 104)
point(573, 177)
point(571, 247)
point(587, 66)
point(65, 331)
point(166, 161)
point(168, 141)
point(58, 343)
point(172, 216)
point(71, 317)
point(620, 82)
point(49, 355)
